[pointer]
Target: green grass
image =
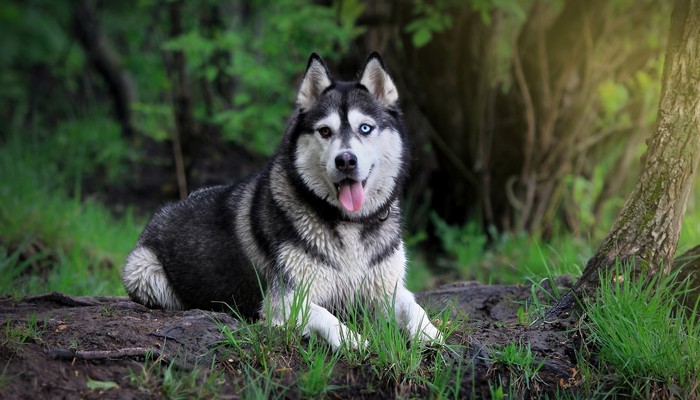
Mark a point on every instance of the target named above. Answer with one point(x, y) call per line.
point(52, 239)
point(446, 382)
point(510, 258)
point(5, 377)
point(16, 333)
point(320, 362)
point(521, 363)
point(166, 380)
point(517, 258)
point(262, 353)
point(644, 336)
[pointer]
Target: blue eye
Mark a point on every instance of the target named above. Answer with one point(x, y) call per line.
point(365, 129)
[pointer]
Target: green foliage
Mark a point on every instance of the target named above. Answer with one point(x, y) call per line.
point(447, 378)
point(320, 361)
point(521, 363)
point(438, 16)
point(392, 355)
point(590, 218)
point(264, 52)
point(64, 237)
point(430, 18)
point(261, 385)
point(262, 351)
point(644, 336)
point(613, 99)
point(508, 258)
point(17, 333)
point(171, 382)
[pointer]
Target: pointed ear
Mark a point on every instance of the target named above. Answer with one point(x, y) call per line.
point(375, 78)
point(316, 80)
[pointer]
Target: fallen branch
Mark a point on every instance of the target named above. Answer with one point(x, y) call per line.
point(91, 355)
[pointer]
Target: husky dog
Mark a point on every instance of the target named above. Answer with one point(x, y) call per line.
point(322, 217)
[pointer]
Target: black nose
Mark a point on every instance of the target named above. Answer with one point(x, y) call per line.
point(346, 161)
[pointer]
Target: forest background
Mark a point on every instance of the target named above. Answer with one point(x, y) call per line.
point(528, 121)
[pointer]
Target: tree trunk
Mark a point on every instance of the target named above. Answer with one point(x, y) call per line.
point(645, 234)
point(106, 61)
point(688, 267)
point(182, 100)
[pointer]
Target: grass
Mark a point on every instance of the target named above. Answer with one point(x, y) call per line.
point(446, 382)
point(508, 259)
point(262, 353)
point(644, 336)
point(5, 377)
point(16, 333)
point(261, 385)
point(53, 239)
point(519, 360)
point(320, 362)
point(168, 381)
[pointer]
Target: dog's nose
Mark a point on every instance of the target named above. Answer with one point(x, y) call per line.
point(346, 161)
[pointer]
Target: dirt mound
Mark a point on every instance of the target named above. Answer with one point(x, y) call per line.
point(58, 346)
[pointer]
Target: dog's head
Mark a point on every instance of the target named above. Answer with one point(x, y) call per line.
point(350, 148)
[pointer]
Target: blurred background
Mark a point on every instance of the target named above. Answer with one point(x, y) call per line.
point(528, 120)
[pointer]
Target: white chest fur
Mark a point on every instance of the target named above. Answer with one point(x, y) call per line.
point(342, 267)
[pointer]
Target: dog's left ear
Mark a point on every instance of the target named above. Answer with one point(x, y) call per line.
point(375, 78)
point(316, 80)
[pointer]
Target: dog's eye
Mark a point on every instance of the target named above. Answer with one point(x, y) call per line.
point(365, 129)
point(324, 131)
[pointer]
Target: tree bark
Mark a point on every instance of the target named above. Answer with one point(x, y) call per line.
point(688, 267)
point(646, 232)
point(106, 61)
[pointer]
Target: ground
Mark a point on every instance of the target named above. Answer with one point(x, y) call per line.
point(58, 346)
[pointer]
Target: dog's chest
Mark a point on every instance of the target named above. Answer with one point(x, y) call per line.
point(338, 263)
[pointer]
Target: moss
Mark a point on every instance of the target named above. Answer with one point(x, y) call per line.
point(651, 201)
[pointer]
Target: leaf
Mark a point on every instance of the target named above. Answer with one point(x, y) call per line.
point(101, 385)
point(421, 37)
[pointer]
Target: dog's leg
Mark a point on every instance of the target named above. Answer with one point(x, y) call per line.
point(399, 300)
point(326, 325)
point(411, 315)
point(314, 318)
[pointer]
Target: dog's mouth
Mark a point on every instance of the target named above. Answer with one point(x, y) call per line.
point(351, 193)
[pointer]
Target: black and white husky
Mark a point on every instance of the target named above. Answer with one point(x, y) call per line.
point(323, 215)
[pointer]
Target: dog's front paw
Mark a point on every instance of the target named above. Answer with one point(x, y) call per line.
point(428, 333)
point(344, 337)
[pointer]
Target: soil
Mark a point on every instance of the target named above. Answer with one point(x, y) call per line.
point(58, 346)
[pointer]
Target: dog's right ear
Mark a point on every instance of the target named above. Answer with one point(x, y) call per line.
point(316, 80)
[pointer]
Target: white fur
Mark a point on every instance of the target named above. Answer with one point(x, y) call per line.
point(380, 151)
point(379, 83)
point(357, 118)
point(338, 286)
point(316, 80)
point(244, 229)
point(144, 278)
point(331, 121)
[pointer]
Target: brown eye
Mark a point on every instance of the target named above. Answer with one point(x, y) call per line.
point(324, 131)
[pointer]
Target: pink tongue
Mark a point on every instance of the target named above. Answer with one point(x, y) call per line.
point(352, 195)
